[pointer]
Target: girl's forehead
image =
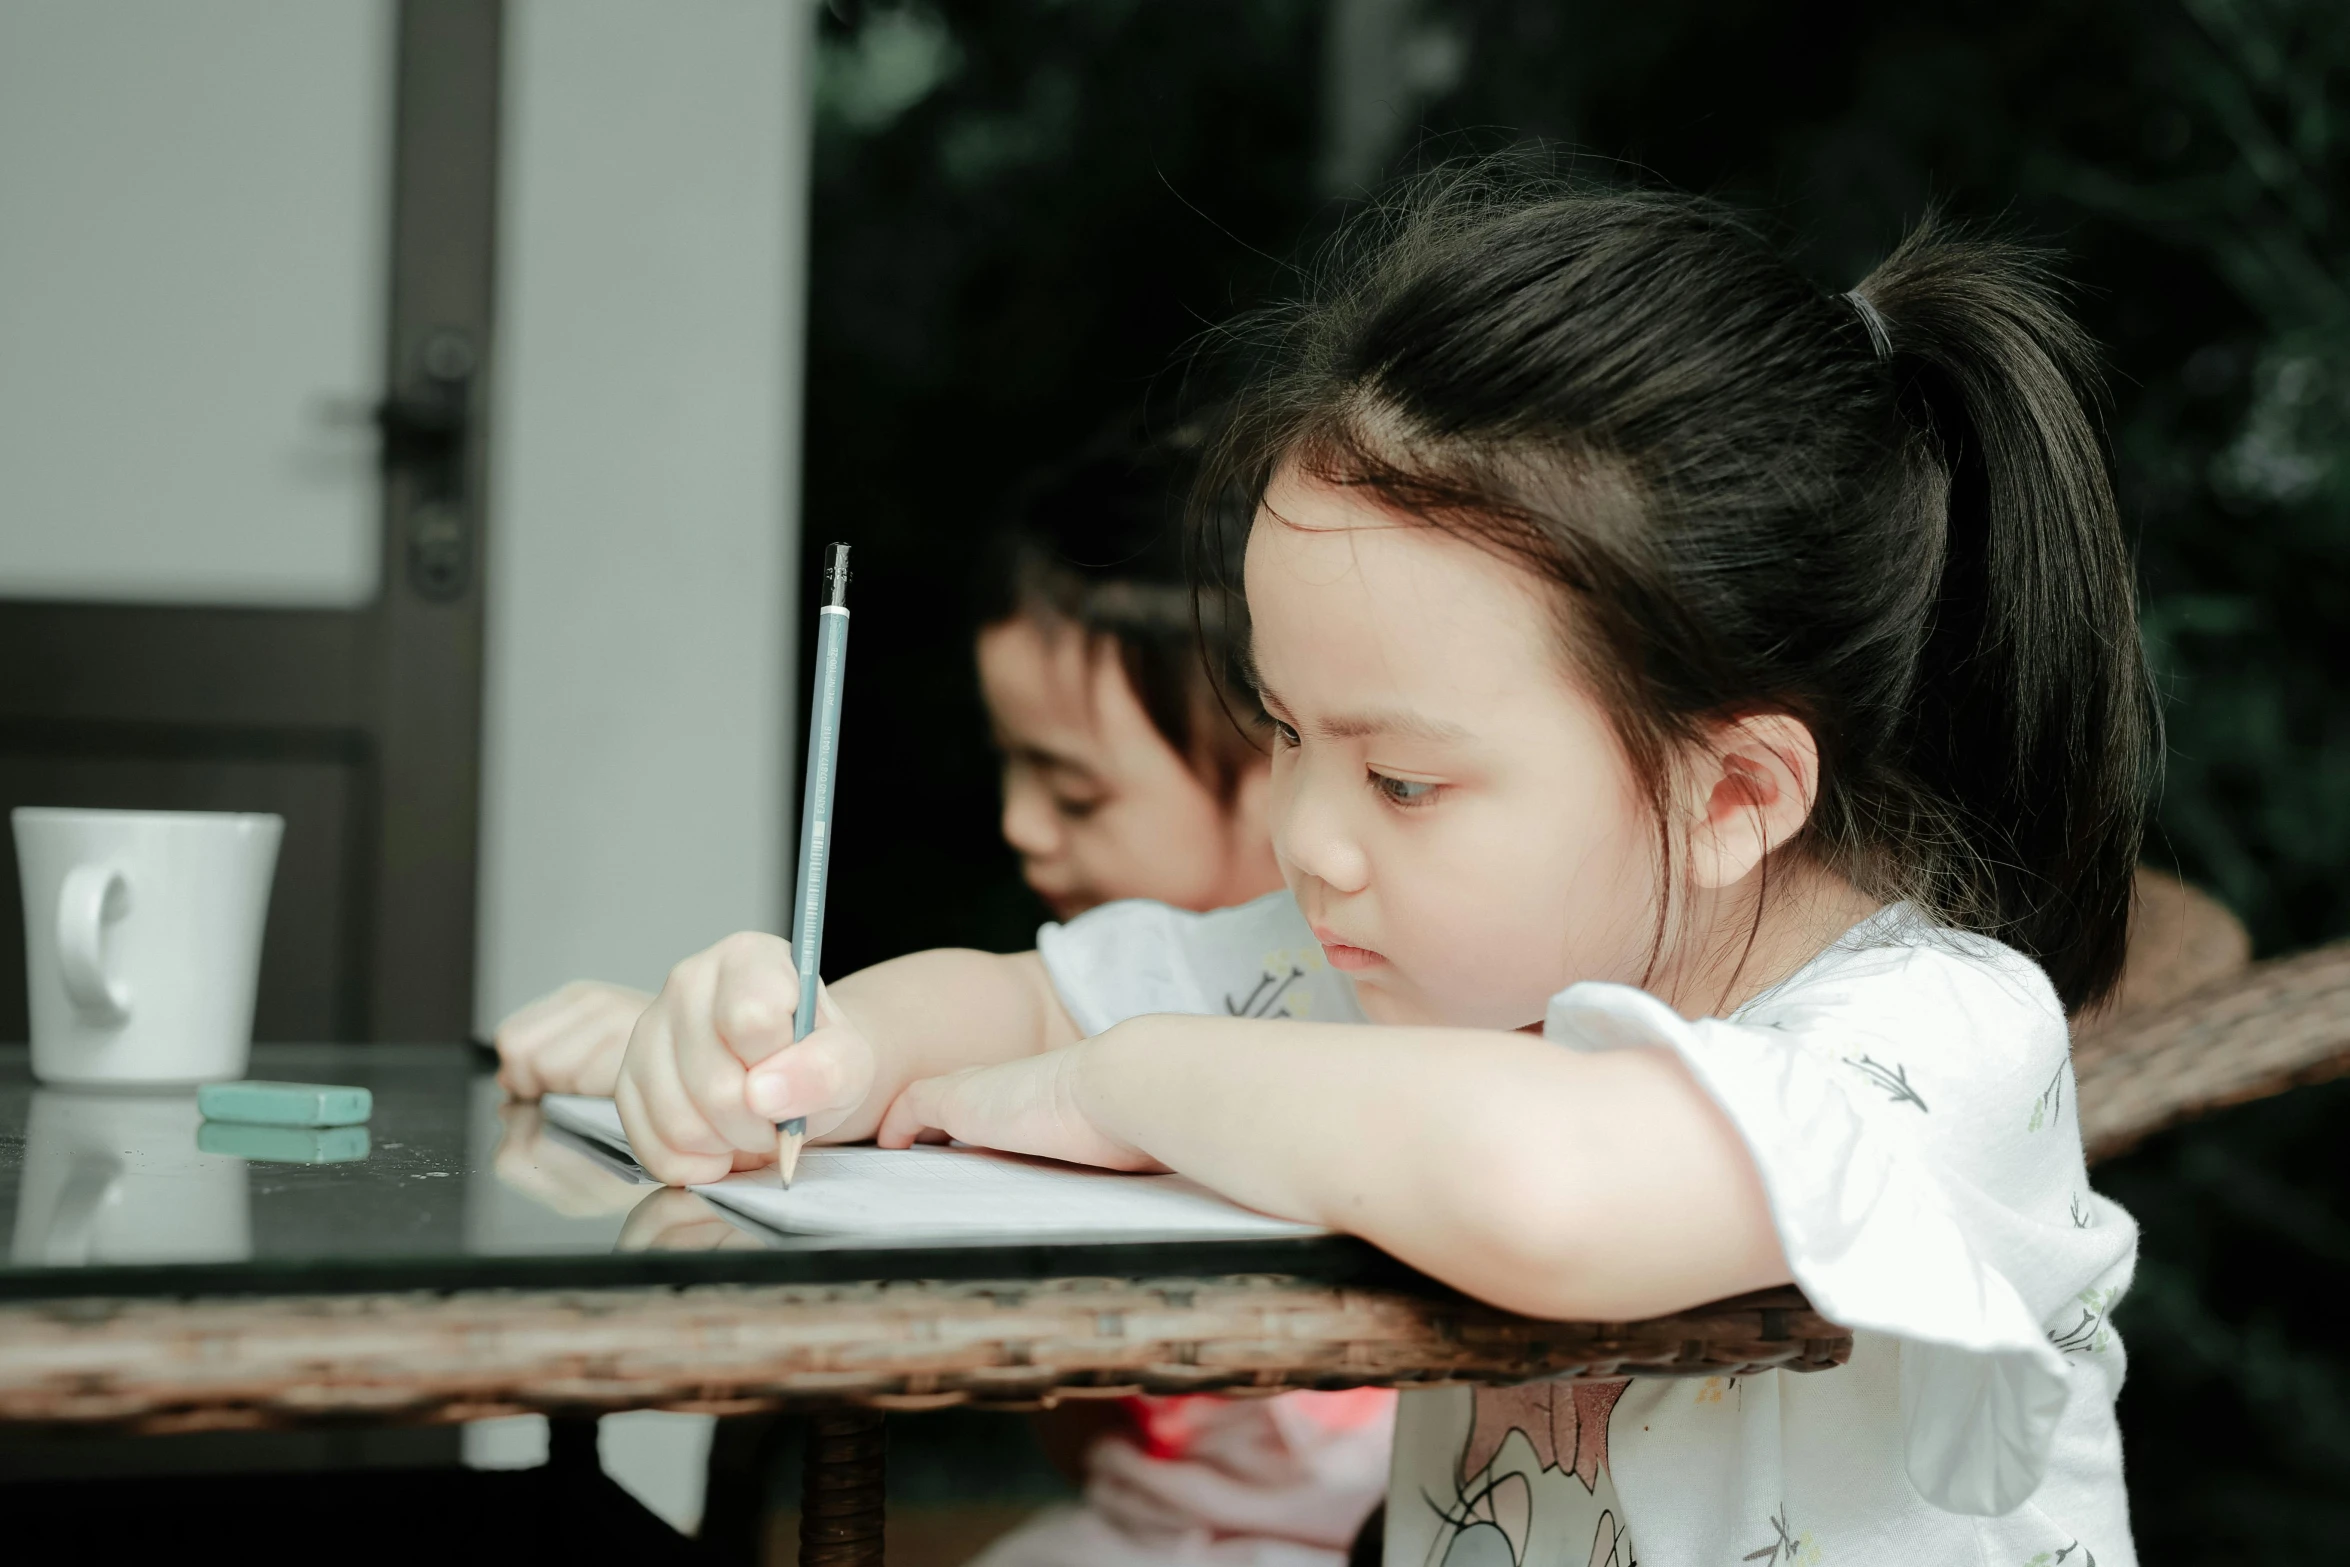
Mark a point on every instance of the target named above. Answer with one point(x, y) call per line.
point(1320, 555)
point(1352, 608)
point(1048, 685)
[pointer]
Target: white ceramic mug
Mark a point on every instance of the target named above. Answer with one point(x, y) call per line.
point(143, 941)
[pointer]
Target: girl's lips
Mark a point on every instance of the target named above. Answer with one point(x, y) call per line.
point(1352, 960)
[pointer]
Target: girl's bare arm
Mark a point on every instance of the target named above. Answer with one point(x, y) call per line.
point(1546, 1180)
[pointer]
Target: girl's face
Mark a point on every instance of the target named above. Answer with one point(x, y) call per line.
point(1098, 804)
point(1452, 811)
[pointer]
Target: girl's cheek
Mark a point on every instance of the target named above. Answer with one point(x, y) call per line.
point(1521, 932)
point(1466, 959)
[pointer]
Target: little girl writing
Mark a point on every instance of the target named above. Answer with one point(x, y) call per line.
point(1709, 739)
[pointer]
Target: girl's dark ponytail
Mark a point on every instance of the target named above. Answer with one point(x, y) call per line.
point(1887, 513)
point(2033, 722)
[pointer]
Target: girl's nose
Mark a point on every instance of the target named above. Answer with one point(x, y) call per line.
point(1310, 832)
point(1030, 824)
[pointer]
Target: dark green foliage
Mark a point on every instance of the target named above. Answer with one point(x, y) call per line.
point(2236, 1416)
point(1026, 208)
point(1003, 266)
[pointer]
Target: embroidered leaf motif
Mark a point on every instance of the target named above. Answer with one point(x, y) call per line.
point(2080, 1212)
point(1260, 1002)
point(1787, 1549)
point(1893, 1079)
point(2060, 1558)
point(2050, 1104)
point(2089, 1334)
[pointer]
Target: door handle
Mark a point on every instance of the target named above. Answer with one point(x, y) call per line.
point(427, 432)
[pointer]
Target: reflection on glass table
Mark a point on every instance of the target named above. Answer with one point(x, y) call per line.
point(448, 1185)
point(117, 1177)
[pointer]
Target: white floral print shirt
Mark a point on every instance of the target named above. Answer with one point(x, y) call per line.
point(1907, 1097)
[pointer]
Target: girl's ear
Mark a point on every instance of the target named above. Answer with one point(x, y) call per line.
point(1752, 790)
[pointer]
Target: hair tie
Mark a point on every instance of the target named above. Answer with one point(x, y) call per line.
point(1880, 337)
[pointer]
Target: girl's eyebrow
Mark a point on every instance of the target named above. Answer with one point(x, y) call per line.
point(1039, 756)
point(1398, 723)
point(1054, 761)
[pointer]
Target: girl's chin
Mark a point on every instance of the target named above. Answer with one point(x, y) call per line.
point(1066, 905)
point(1383, 1003)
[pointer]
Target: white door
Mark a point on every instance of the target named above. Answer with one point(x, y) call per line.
point(244, 252)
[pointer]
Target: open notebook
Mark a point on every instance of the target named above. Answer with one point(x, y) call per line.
point(970, 1196)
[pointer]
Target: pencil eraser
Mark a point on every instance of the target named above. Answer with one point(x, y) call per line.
point(285, 1104)
point(284, 1144)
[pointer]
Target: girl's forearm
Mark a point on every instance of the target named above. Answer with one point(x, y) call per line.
point(935, 1012)
point(1542, 1179)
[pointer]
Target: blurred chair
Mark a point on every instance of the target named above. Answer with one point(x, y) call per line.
point(2196, 1026)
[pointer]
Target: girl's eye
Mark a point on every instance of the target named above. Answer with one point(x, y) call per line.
point(1403, 791)
point(1075, 810)
point(1283, 732)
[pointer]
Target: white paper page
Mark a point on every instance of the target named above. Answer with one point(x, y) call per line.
point(956, 1194)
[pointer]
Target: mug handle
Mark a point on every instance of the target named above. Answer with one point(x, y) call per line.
point(93, 897)
point(89, 1181)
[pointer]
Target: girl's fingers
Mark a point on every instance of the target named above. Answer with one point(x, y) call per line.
point(754, 995)
point(686, 1077)
point(584, 1057)
point(824, 1078)
point(555, 1044)
point(670, 1136)
point(523, 1038)
point(1023, 1106)
point(707, 995)
point(920, 1109)
point(713, 1081)
point(588, 1062)
point(672, 1128)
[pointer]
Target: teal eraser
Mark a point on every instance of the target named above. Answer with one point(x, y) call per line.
point(284, 1144)
point(285, 1104)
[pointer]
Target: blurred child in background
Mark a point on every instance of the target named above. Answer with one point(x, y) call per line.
point(1124, 776)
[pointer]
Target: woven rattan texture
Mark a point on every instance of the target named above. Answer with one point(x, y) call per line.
point(2268, 1028)
point(233, 1363)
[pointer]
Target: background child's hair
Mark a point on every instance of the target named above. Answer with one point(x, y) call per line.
point(1097, 543)
point(1886, 513)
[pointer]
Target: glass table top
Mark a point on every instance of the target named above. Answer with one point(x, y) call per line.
point(449, 1185)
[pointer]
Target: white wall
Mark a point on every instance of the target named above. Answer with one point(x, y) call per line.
point(644, 492)
point(193, 206)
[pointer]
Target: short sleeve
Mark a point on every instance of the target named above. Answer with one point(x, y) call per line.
point(1135, 957)
point(1889, 1107)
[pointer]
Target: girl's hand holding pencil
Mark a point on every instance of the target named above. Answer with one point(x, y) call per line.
point(711, 1067)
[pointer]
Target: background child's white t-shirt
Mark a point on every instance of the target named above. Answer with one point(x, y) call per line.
point(1907, 1097)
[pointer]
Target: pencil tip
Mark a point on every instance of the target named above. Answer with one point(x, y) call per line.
point(789, 1138)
